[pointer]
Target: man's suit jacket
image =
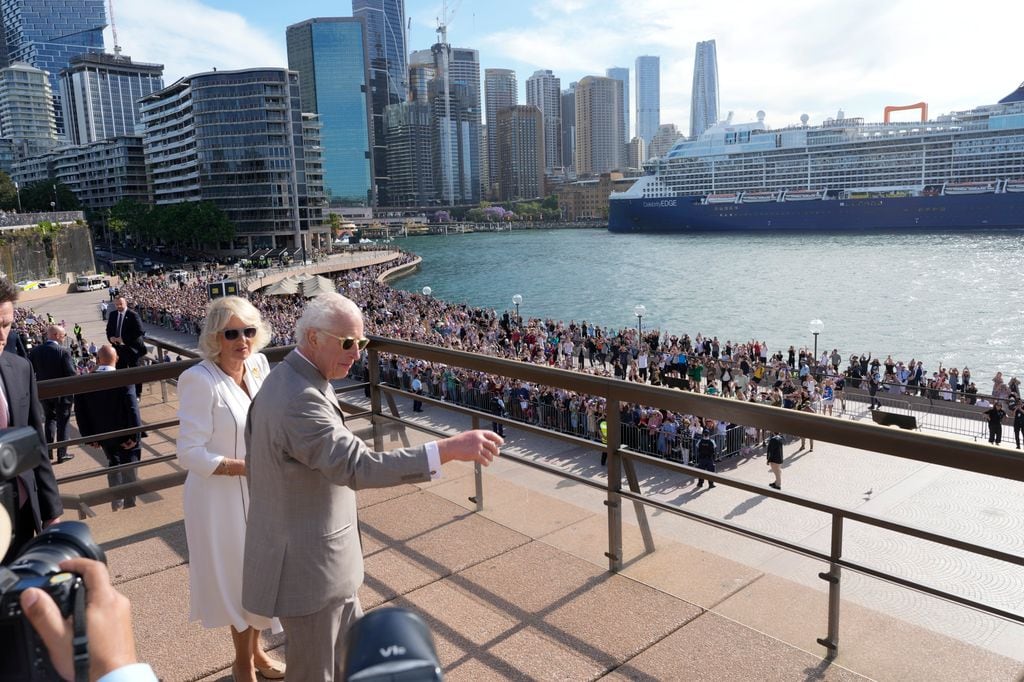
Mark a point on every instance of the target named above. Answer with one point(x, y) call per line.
point(302, 549)
point(52, 361)
point(25, 410)
point(111, 409)
point(132, 334)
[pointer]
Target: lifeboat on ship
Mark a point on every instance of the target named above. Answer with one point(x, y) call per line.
point(759, 197)
point(962, 188)
point(1015, 186)
point(804, 194)
point(722, 198)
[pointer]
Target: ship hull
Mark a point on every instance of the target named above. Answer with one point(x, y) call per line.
point(931, 213)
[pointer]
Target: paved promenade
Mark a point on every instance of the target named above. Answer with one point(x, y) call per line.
point(522, 590)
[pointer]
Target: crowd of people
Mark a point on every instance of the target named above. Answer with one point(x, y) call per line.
point(792, 378)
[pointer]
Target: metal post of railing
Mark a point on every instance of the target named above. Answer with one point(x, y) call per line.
point(831, 642)
point(373, 365)
point(614, 501)
point(478, 477)
point(163, 391)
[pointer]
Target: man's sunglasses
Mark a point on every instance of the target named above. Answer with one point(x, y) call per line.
point(347, 341)
point(232, 334)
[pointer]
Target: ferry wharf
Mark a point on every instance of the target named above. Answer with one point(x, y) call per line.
point(519, 587)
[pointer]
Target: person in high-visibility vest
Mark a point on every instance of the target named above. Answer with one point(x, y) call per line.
point(602, 427)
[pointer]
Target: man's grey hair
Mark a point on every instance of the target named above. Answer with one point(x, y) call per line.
point(324, 312)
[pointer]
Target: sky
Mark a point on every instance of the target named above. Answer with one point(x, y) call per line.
point(786, 58)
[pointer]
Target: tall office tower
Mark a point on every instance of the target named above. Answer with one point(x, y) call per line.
point(635, 153)
point(666, 138)
point(599, 124)
point(485, 166)
point(329, 55)
point(500, 92)
point(648, 97)
point(26, 110)
point(456, 124)
point(47, 34)
point(409, 153)
point(521, 152)
point(389, 74)
point(236, 138)
point(544, 91)
point(100, 93)
point(704, 96)
point(421, 72)
point(316, 196)
point(569, 129)
point(621, 73)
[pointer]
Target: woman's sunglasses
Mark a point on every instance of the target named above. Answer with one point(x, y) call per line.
point(232, 334)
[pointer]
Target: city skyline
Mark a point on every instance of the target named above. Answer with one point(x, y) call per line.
point(785, 60)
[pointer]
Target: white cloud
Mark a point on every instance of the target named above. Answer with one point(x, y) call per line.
point(189, 37)
point(785, 58)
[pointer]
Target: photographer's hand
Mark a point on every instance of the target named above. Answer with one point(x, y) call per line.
point(108, 622)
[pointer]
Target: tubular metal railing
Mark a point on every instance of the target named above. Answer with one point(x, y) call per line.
point(622, 459)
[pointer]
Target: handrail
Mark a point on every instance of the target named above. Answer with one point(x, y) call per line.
point(931, 449)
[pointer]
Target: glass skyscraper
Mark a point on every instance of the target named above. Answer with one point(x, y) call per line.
point(330, 56)
point(621, 73)
point(389, 76)
point(47, 34)
point(648, 98)
point(101, 92)
point(500, 92)
point(544, 91)
point(704, 96)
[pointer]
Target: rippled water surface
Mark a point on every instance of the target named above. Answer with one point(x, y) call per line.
point(950, 298)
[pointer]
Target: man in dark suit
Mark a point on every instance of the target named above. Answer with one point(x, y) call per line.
point(125, 333)
point(112, 409)
point(37, 501)
point(52, 360)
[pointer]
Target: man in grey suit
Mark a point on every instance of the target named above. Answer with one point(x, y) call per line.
point(303, 559)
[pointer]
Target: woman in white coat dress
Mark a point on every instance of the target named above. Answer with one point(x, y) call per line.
point(213, 402)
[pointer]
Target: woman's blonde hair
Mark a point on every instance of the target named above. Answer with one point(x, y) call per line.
point(218, 313)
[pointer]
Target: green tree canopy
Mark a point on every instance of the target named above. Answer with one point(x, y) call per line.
point(39, 195)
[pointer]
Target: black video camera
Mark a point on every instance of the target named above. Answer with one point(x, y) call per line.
point(391, 644)
point(23, 655)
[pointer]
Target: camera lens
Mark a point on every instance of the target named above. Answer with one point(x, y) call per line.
point(67, 540)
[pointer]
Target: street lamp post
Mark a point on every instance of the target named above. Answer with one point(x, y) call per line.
point(516, 300)
point(815, 326)
point(427, 291)
point(640, 311)
point(355, 286)
point(17, 190)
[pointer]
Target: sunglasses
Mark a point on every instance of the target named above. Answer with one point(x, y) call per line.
point(347, 341)
point(232, 334)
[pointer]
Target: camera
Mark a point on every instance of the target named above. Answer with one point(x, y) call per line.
point(391, 644)
point(37, 565)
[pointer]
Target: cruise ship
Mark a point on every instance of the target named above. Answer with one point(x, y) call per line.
point(960, 171)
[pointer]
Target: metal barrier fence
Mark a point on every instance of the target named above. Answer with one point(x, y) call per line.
point(622, 458)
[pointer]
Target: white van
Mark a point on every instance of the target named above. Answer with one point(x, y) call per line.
point(89, 283)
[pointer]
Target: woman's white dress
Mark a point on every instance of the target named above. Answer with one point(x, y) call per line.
point(212, 410)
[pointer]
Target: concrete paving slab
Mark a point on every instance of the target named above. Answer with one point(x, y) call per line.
point(513, 506)
point(604, 617)
point(716, 649)
point(435, 532)
point(872, 643)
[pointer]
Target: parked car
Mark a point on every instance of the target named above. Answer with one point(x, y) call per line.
point(45, 283)
point(27, 284)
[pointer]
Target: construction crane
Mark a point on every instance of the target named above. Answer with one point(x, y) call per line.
point(113, 27)
point(448, 180)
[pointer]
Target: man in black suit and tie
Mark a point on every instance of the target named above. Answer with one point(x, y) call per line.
point(52, 360)
point(37, 502)
point(125, 333)
point(112, 409)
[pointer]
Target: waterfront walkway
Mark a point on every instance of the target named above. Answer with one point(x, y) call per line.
point(522, 589)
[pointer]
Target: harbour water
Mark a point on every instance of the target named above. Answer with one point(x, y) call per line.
point(955, 299)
